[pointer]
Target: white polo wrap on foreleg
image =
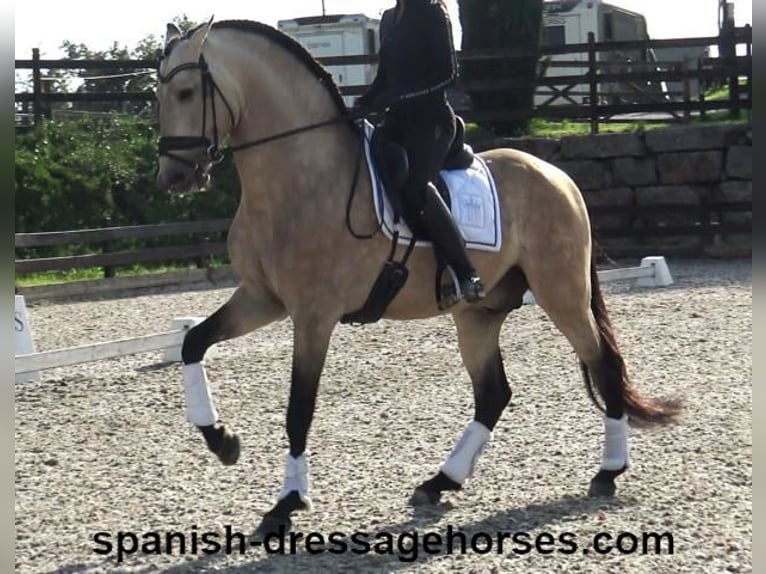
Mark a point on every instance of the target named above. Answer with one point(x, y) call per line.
point(615, 443)
point(462, 460)
point(297, 478)
point(200, 409)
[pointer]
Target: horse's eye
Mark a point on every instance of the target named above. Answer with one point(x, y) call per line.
point(185, 94)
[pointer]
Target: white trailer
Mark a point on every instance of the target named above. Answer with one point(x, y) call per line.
point(569, 22)
point(338, 35)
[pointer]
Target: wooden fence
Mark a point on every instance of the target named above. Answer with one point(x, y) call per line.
point(623, 229)
point(596, 83)
point(198, 242)
point(707, 222)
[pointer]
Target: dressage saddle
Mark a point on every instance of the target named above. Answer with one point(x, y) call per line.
point(392, 165)
point(391, 162)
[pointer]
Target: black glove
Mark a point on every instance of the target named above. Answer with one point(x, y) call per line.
point(369, 103)
point(361, 103)
point(383, 101)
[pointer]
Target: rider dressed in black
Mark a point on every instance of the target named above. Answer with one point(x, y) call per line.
point(416, 64)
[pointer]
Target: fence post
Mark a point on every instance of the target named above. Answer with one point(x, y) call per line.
point(727, 52)
point(593, 84)
point(701, 94)
point(37, 87)
point(749, 53)
point(686, 89)
point(108, 247)
point(734, 79)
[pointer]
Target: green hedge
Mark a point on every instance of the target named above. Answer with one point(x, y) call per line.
point(88, 173)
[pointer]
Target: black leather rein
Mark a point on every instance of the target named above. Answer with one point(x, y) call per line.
point(169, 144)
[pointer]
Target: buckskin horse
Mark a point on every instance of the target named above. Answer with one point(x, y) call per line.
point(297, 152)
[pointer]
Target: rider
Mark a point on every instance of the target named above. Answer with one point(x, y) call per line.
point(417, 62)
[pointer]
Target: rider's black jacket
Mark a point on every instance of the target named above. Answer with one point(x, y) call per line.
point(417, 56)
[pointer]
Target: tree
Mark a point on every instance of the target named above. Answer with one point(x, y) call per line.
point(111, 80)
point(503, 25)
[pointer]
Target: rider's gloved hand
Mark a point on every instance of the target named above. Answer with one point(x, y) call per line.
point(361, 106)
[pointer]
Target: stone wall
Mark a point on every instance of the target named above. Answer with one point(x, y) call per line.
point(682, 167)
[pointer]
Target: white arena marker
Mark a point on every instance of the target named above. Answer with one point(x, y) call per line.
point(29, 361)
point(24, 343)
point(173, 354)
point(661, 276)
point(87, 353)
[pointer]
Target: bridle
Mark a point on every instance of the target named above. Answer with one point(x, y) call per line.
point(169, 144)
point(214, 153)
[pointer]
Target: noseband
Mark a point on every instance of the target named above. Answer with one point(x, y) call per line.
point(168, 144)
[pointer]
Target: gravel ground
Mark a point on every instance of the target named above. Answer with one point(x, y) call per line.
point(105, 447)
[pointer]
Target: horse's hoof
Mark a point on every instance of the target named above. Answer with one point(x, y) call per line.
point(221, 442)
point(228, 452)
point(603, 483)
point(423, 497)
point(272, 527)
point(602, 488)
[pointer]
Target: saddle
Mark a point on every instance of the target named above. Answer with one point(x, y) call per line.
point(392, 166)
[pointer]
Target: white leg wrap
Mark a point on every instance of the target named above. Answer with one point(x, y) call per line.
point(200, 409)
point(615, 443)
point(297, 478)
point(462, 460)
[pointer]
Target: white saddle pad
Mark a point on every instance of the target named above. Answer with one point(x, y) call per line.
point(474, 201)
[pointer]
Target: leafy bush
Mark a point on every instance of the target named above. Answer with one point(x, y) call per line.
point(87, 173)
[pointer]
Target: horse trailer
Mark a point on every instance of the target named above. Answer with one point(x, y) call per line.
point(567, 22)
point(338, 35)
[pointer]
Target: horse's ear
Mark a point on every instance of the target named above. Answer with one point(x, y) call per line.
point(199, 37)
point(172, 32)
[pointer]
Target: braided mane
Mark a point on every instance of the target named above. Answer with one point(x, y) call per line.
point(284, 41)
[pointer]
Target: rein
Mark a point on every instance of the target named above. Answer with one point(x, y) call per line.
point(168, 144)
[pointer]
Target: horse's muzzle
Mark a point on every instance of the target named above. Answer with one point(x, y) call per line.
point(176, 177)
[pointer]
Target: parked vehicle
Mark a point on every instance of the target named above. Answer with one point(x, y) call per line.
point(338, 35)
point(567, 22)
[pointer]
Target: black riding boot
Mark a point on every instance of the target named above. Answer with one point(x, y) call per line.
point(442, 230)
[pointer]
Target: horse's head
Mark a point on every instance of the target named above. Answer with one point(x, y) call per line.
point(194, 113)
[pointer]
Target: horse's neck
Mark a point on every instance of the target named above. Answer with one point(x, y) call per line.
point(279, 94)
point(301, 167)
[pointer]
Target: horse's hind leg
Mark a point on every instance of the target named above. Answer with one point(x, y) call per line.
point(478, 331)
point(571, 314)
point(241, 314)
point(573, 300)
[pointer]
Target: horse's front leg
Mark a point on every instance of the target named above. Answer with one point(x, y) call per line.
point(244, 312)
point(478, 331)
point(311, 339)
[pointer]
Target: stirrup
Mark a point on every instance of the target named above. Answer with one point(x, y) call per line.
point(472, 289)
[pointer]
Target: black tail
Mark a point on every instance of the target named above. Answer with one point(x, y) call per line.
point(613, 382)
